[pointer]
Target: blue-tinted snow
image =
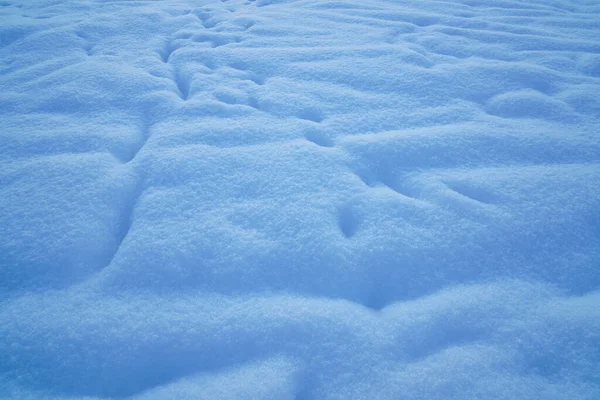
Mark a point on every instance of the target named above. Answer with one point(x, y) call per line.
point(300, 199)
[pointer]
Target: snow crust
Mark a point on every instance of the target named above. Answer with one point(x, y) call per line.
point(310, 199)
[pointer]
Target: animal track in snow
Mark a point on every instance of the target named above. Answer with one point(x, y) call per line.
point(212, 162)
point(311, 114)
point(472, 192)
point(183, 82)
point(319, 138)
point(167, 51)
point(348, 220)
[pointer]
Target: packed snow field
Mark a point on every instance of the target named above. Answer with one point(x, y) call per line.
point(301, 200)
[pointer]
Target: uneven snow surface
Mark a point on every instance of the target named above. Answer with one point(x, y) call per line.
point(310, 199)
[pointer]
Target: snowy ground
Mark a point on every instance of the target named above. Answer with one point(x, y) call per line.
point(300, 199)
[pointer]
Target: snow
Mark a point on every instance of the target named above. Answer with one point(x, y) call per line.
point(309, 199)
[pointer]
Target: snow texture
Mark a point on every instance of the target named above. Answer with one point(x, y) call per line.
point(278, 199)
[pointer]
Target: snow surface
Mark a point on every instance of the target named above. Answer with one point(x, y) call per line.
point(310, 199)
